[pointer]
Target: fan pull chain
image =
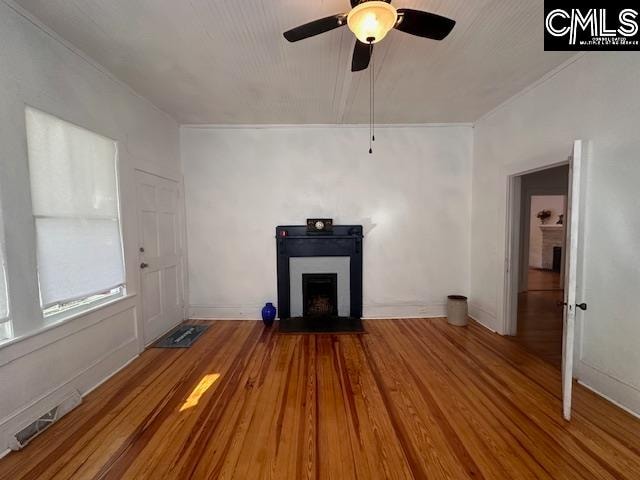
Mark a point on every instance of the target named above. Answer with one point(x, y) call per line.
point(371, 98)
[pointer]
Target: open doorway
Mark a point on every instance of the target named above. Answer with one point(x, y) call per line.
point(563, 179)
point(542, 237)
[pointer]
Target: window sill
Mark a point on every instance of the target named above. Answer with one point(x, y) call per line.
point(28, 342)
point(81, 309)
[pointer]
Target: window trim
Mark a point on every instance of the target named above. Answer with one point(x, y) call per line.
point(3, 273)
point(6, 330)
point(74, 307)
point(6, 326)
point(48, 320)
point(61, 326)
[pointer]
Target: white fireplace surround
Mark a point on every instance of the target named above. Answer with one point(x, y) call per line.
point(338, 265)
point(552, 236)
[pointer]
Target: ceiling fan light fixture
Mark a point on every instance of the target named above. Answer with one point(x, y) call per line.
point(370, 21)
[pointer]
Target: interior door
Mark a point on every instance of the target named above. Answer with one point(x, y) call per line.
point(161, 254)
point(573, 224)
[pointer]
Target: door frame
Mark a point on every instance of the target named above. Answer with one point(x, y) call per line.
point(183, 239)
point(514, 243)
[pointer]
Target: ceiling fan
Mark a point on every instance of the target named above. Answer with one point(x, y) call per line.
point(370, 21)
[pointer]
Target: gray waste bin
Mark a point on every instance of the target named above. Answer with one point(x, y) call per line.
point(457, 310)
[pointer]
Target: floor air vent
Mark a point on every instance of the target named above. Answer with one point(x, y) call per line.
point(31, 431)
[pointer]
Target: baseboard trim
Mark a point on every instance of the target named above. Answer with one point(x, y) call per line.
point(486, 327)
point(483, 317)
point(389, 311)
point(606, 397)
point(236, 312)
point(370, 312)
point(617, 392)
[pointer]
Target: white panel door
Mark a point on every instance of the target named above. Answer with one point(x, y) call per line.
point(161, 254)
point(573, 224)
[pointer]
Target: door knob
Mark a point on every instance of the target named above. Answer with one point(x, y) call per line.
point(144, 265)
point(581, 306)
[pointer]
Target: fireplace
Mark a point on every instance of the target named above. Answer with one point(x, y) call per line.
point(552, 237)
point(319, 275)
point(319, 294)
point(557, 259)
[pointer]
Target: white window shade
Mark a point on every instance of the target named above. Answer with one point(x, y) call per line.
point(77, 258)
point(4, 298)
point(4, 304)
point(75, 205)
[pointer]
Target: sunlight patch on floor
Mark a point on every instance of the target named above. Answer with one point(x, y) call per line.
point(204, 385)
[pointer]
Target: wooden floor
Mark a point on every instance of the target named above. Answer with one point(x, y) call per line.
point(411, 399)
point(538, 279)
point(540, 316)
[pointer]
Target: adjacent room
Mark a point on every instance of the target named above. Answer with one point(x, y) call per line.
point(319, 240)
point(542, 237)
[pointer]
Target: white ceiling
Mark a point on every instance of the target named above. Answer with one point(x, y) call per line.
point(226, 62)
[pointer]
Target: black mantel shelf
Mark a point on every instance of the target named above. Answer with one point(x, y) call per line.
point(315, 236)
point(295, 241)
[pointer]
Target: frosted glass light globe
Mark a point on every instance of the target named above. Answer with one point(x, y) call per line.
point(371, 21)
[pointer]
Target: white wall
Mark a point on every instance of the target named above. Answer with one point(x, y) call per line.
point(411, 195)
point(553, 203)
point(38, 70)
point(594, 98)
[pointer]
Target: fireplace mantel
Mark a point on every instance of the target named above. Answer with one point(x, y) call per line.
point(295, 241)
point(552, 237)
point(553, 226)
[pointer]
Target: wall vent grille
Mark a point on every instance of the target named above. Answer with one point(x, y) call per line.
point(35, 428)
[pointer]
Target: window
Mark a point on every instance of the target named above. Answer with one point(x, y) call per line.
point(75, 206)
point(5, 325)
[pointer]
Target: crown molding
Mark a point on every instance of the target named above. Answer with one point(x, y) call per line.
point(260, 126)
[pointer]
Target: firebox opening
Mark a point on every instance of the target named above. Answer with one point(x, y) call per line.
point(319, 294)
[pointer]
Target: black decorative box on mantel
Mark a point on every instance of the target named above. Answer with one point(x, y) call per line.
point(342, 241)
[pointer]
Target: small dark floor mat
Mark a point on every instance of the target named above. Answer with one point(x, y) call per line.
point(321, 325)
point(181, 337)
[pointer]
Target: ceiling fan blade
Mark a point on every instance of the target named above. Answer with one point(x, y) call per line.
point(316, 27)
point(361, 56)
point(423, 24)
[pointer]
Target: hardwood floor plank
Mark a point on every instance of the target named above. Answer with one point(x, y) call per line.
point(432, 455)
point(463, 405)
point(576, 438)
point(185, 427)
point(483, 435)
point(152, 453)
point(500, 395)
point(222, 437)
point(335, 429)
point(144, 424)
point(615, 421)
point(411, 399)
point(378, 438)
